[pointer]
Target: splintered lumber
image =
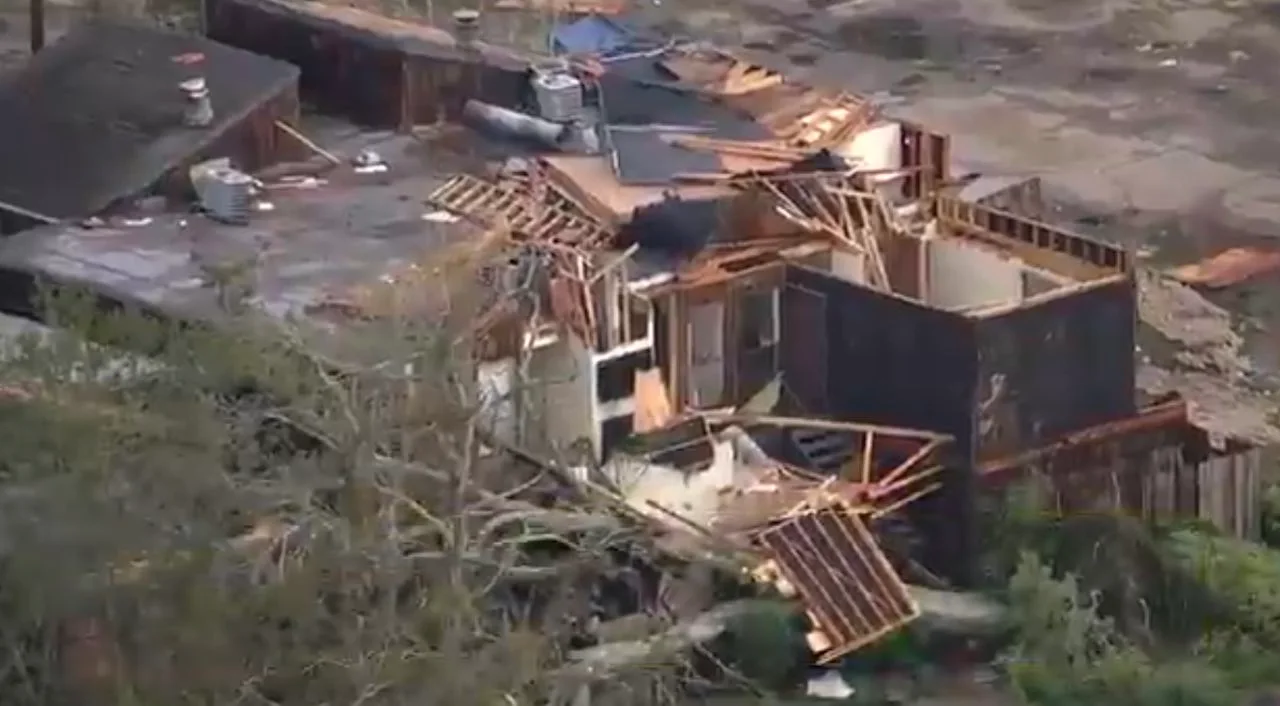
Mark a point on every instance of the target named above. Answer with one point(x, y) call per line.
point(744, 78)
point(742, 148)
point(305, 141)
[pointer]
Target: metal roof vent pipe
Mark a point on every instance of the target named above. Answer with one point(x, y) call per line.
point(466, 27)
point(199, 110)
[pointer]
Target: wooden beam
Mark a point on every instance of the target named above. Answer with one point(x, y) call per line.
point(719, 416)
point(868, 441)
point(906, 465)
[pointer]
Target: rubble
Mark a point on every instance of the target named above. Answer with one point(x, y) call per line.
point(1227, 268)
point(768, 321)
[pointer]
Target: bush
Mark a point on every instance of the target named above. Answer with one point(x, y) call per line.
point(766, 645)
point(1066, 654)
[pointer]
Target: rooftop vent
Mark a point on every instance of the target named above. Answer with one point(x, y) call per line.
point(199, 110)
point(466, 27)
point(559, 92)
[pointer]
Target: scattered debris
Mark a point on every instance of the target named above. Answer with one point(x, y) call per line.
point(440, 217)
point(829, 685)
point(224, 193)
point(851, 593)
point(1227, 268)
point(291, 131)
point(368, 162)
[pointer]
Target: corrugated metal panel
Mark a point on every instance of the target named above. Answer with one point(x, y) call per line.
point(844, 579)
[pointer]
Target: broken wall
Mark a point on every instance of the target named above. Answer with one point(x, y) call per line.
point(342, 72)
point(875, 149)
point(861, 355)
point(888, 360)
point(561, 390)
point(1056, 366)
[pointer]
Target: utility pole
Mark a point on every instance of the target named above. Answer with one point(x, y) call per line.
point(36, 22)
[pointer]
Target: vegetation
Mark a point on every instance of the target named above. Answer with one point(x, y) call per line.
point(234, 521)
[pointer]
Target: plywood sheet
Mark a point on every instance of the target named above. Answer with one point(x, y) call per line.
point(591, 181)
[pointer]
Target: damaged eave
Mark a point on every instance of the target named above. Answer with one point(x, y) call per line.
point(730, 417)
point(1170, 416)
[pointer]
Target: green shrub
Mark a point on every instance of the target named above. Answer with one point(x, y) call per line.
point(766, 645)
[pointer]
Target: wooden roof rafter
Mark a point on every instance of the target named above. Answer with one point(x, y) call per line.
point(874, 490)
point(526, 216)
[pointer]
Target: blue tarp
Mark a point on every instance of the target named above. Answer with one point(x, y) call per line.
point(592, 35)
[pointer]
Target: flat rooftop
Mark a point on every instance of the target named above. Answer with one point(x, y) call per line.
point(312, 241)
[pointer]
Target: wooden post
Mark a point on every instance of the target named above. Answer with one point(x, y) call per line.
point(36, 21)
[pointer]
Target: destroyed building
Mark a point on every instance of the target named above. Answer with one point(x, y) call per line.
point(715, 248)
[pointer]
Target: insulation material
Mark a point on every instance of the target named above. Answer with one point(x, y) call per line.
point(1035, 283)
point(875, 149)
point(963, 276)
point(694, 495)
point(560, 380)
point(497, 406)
point(849, 266)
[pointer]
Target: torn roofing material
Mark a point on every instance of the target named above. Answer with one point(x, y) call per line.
point(641, 155)
point(852, 594)
point(98, 116)
point(625, 100)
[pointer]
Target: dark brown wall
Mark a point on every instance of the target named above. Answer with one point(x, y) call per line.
point(364, 77)
point(437, 89)
point(886, 360)
point(1056, 367)
point(341, 73)
point(256, 142)
point(889, 360)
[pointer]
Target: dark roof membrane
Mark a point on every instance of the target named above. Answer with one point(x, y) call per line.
point(98, 116)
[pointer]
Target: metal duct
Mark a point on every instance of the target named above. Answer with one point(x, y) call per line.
point(510, 123)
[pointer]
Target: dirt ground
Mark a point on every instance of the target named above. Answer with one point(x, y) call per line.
point(1150, 120)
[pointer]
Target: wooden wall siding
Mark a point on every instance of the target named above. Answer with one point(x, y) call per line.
point(745, 372)
point(805, 365)
point(257, 142)
point(1032, 240)
point(928, 154)
point(905, 262)
point(1230, 488)
point(342, 73)
point(1055, 367)
point(894, 361)
point(1149, 475)
point(435, 90)
point(251, 145)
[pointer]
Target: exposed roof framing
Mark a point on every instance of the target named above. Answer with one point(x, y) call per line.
point(873, 486)
point(850, 592)
point(831, 203)
point(526, 216)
